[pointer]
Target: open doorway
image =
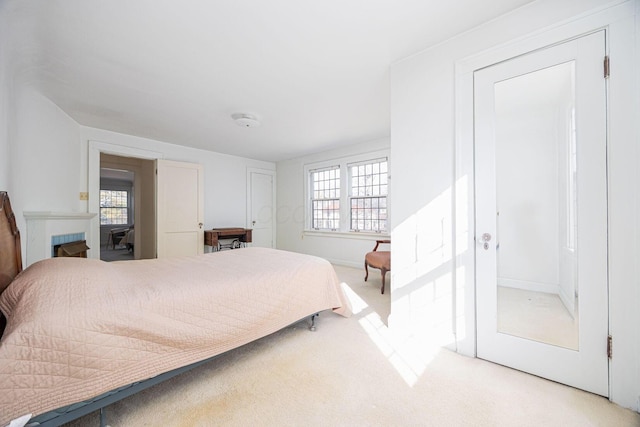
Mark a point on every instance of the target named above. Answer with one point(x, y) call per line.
point(117, 212)
point(127, 208)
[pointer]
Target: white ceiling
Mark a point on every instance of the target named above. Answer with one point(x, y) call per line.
point(315, 73)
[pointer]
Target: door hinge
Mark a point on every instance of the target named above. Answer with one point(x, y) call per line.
point(606, 67)
point(609, 346)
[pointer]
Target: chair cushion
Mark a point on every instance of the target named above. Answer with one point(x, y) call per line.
point(379, 259)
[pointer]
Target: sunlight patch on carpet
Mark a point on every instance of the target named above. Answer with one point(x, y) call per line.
point(357, 303)
point(408, 356)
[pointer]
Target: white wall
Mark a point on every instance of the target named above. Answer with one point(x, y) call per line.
point(48, 164)
point(6, 97)
point(225, 177)
point(432, 280)
point(45, 158)
point(338, 248)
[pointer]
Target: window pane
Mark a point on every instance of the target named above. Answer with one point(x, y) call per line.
point(114, 207)
point(369, 213)
point(325, 204)
point(368, 196)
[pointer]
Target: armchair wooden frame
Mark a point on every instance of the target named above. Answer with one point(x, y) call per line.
point(378, 259)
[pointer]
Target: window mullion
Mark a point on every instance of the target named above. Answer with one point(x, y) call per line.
point(345, 192)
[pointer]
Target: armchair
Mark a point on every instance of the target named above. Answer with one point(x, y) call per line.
point(378, 259)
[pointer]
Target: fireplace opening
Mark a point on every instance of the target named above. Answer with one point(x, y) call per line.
point(76, 249)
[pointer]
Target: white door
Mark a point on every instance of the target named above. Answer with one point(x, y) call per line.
point(541, 213)
point(180, 209)
point(261, 203)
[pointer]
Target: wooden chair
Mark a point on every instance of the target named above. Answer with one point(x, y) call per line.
point(115, 235)
point(378, 259)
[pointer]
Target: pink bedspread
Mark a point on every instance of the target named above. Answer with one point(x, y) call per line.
point(80, 327)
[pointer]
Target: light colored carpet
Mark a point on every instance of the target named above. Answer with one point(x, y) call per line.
point(353, 372)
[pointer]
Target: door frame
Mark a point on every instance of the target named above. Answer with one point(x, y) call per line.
point(585, 367)
point(621, 21)
point(273, 200)
point(463, 154)
point(93, 177)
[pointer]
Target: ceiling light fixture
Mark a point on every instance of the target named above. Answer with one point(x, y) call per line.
point(245, 120)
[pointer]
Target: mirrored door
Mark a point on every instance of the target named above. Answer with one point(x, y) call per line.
point(541, 256)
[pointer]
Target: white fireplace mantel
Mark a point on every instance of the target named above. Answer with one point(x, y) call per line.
point(48, 215)
point(42, 225)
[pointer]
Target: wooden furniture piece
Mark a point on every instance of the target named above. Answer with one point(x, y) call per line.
point(378, 259)
point(11, 259)
point(240, 237)
point(76, 249)
point(115, 235)
point(129, 239)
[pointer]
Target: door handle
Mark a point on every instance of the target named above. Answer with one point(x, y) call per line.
point(253, 222)
point(200, 224)
point(485, 239)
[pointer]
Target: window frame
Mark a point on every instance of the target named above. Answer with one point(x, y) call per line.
point(116, 187)
point(345, 194)
point(372, 196)
point(325, 200)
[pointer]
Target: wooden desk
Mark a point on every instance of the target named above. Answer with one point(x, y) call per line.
point(240, 237)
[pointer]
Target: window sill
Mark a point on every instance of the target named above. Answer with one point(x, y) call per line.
point(356, 235)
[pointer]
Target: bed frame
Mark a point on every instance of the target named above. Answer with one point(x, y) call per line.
point(10, 267)
point(11, 264)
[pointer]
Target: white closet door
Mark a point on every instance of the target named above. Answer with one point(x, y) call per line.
point(261, 201)
point(541, 213)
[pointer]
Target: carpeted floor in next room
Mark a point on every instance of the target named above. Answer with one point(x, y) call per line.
point(352, 372)
point(119, 253)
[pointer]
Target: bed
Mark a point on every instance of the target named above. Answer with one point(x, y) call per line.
point(82, 333)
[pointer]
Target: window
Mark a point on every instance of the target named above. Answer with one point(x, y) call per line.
point(114, 207)
point(368, 196)
point(325, 198)
point(348, 194)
